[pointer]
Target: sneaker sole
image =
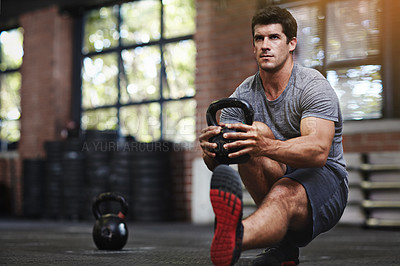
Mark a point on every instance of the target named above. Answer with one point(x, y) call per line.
point(289, 263)
point(226, 200)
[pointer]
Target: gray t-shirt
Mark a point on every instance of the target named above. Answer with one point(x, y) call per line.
point(308, 94)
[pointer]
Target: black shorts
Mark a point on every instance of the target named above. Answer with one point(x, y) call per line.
point(327, 191)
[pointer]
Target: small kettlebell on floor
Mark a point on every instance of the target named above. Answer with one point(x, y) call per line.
point(110, 231)
point(221, 153)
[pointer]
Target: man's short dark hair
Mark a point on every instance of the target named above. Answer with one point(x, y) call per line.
point(276, 15)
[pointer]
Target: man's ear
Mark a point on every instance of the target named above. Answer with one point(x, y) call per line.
point(292, 44)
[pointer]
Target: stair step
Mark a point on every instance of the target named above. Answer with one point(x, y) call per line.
point(369, 204)
point(373, 222)
point(379, 167)
point(367, 185)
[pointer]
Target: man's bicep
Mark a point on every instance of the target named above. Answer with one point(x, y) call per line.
point(321, 129)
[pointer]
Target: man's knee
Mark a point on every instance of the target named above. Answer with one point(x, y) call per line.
point(293, 197)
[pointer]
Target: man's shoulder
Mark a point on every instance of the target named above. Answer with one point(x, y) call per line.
point(307, 73)
point(249, 82)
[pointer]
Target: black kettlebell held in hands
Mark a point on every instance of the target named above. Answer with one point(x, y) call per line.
point(221, 153)
point(110, 231)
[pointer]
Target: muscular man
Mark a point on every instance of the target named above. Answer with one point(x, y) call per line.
point(296, 174)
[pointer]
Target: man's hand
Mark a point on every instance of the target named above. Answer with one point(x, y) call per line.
point(253, 139)
point(207, 147)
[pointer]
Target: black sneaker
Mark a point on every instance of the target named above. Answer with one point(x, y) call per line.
point(285, 255)
point(226, 200)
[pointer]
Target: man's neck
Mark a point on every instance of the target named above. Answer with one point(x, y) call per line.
point(274, 83)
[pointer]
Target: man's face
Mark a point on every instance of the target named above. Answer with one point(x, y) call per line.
point(271, 48)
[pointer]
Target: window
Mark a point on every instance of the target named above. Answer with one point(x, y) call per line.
point(342, 40)
point(10, 84)
point(138, 64)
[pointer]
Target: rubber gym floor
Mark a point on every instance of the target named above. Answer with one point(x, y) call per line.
point(32, 242)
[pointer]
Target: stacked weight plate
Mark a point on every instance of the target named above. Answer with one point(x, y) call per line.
point(98, 148)
point(33, 181)
point(152, 182)
point(53, 181)
point(73, 178)
point(121, 178)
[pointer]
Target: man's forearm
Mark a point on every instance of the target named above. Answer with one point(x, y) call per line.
point(299, 152)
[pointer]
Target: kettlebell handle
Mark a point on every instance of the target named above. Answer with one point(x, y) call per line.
point(109, 196)
point(229, 102)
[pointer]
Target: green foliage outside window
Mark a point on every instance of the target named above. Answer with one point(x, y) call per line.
point(101, 30)
point(179, 17)
point(138, 70)
point(179, 58)
point(99, 76)
point(102, 119)
point(359, 90)
point(142, 121)
point(141, 76)
point(10, 80)
point(140, 22)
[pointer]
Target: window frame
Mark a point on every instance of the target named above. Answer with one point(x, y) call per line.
point(161, 43)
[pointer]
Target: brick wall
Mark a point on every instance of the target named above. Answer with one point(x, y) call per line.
point(46, 79)
point(46, 83)
point(372, 142)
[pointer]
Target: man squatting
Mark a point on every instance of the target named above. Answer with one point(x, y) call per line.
point(297, 174)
